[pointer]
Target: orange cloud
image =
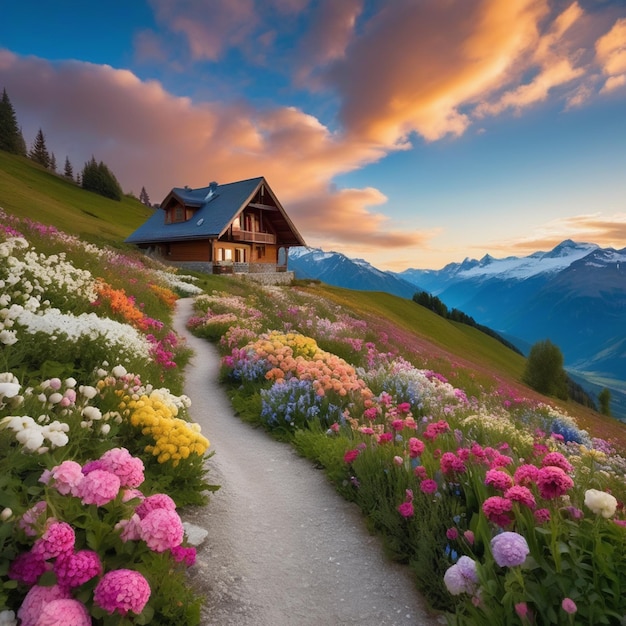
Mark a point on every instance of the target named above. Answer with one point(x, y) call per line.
point(607, 231)
point(611, 55)
point(153, 139)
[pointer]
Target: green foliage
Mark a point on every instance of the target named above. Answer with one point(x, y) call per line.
point(544, 370)
point(97, 177)
point(604, 398)
point(11, 138)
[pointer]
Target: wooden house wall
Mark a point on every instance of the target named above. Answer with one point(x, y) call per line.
point(188, 250)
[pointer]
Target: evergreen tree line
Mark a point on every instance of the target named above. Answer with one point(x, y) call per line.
point(544, 371)
point(95, 176)
point(454, 315)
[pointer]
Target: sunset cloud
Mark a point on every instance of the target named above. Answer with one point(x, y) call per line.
point(611, 55)
point(607, 231)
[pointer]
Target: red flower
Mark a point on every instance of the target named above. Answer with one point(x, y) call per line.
point(350, 455)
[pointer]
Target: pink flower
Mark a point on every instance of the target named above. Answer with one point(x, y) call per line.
point(184, 555)
point(66, 477)
point(350, 455)
point(35, 600)
point(521, 608)
point(428, 486)
point(154, 502)
point(371, 413)
point(557, 460)
point(498, 479)
point(385, 438)
point(366, 430)
point(406, 509)
point(520, 494)
point(33, 518)
point(130, 529)
point(416, 447)
point(469, 537)
point(57, 539)
point(526, 475)
point(98, 487)
point(450, 463)
point(434, 429)
point(404, 407)
point(27, 567)
point(397, 425)
point(500, 460)
point(398, 460)
point(452, 534)
point(121, 591)
point(553, 482)
point(497, 510)
point(569, 606)
point(162, 529)
point(64, 612)
point(75, 569)
point(542, 515)
point(90, 466)
point(420, 472)
point(127, 468)
point(131, 494)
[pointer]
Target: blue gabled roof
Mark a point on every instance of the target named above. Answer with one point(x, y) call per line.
point(218, 207)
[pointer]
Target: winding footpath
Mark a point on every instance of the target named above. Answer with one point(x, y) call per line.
point(283, 548)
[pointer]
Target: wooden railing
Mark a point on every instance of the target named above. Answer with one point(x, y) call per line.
point(253, 236)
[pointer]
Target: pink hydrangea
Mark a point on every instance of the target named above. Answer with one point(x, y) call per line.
point(66, 477)
point(553, 482)
point(498, 479)
point(98, 487)
point(64, 612)
point(428, 486)
point(90, 466)
point(27, 567)
point(182, 554)
point(57, 539)
point(526, 474)
point(127, 468)
point(33, 518)
point(130, 494)
point(35, 600)
point(450, 463)
point(520, 494)
point(497, 510)
point(154, 502)
point(75, 569)
point(130, 529)
point(162, 529)
point(509, 549)
point(122, 590)
point(557, 460)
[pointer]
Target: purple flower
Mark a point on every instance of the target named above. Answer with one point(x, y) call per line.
point(122, 590)
point(509, 549)
point(27, 567)
point(461, 577)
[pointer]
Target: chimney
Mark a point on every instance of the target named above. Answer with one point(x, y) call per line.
point(212, 186)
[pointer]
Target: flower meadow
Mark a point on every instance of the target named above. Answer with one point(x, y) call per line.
point(506, 511)
point(97, 454)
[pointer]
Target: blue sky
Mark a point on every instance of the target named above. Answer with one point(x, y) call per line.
point(411, 133)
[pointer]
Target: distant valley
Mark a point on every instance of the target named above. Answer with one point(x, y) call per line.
point(574, 295)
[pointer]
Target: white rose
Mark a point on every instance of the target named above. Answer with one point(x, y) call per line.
point(600, 502)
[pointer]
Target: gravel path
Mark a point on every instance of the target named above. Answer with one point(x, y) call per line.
point(283, 548)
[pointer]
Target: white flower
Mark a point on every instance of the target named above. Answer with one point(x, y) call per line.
point(9, 390)
point(55, 398)
point(70, 383)
point(119, 371)
point(8, 337)
point(600, 502)
point(7, 618)
point(105, 429)
point(92, 413)
point(88, 391)
point(30, 438)
point(4, 516)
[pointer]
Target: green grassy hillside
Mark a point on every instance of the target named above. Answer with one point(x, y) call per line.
point(30, 191)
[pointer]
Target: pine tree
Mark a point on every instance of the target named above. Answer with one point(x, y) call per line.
point(69, 170)
point(10, 134)
point(39, 153)
point(53, 162)
point(21, 142)
point(604, 397)
point(144, 198)
point(97, 177)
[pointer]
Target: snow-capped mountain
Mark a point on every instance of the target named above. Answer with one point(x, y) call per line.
point(574, 295)
point(337, 269)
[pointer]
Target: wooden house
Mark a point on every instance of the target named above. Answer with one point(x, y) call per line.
point(238, 227)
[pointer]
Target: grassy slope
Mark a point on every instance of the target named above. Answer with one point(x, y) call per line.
point(27, 189)
point(31, 191)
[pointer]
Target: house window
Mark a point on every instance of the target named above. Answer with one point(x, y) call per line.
point(240, 255)
point(260, 252)
point(179, 214)
point(224, 254)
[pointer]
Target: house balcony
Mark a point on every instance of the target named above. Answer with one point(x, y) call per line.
point(253, 236)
